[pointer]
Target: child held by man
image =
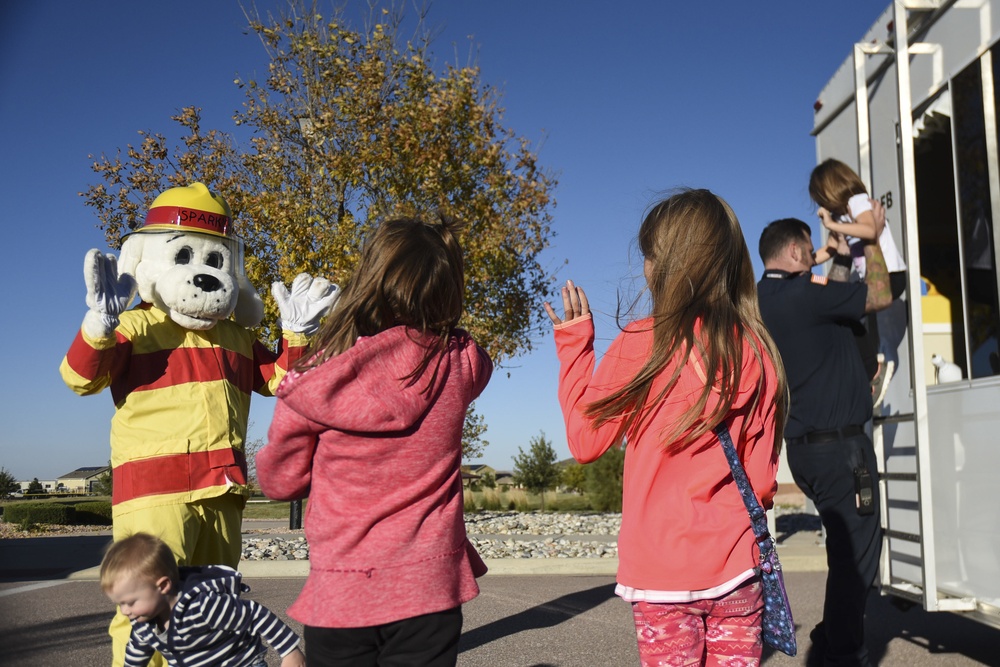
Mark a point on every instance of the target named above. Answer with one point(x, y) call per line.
point(845, 208)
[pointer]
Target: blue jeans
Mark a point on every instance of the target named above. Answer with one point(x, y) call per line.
point(825, 473)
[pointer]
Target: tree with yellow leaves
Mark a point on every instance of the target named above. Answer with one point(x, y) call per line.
point(347, 127)
point(350, 126)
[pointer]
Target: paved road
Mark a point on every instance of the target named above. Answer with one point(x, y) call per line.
point(531, 612)
point(517, 621)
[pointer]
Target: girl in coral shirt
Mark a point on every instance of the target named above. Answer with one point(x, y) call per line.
point(687, 553)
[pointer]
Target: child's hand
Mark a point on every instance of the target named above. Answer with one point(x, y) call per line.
point(294, 659)
point(575, 305)
point(825, 217)
point(836, 244)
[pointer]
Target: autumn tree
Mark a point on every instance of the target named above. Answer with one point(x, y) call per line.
point(473, 442)
point(348, 126)
point(250, 449)
point(536, 469)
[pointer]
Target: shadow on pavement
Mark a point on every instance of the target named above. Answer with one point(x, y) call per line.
point(40, 558)
point(33, 644)
point(545, 615)
point(939, 633)
point(787, 525)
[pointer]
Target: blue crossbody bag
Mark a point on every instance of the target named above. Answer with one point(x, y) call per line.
point(778, 626)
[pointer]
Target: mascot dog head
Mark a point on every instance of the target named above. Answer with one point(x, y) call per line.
point(187, 262)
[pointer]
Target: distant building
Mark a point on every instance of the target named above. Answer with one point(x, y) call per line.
point(48, 484)
point(81, 480)
point(480, 470)
point(504, 478)
point(472, 474)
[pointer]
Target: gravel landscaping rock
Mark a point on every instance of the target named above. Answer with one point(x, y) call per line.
point(551, 535)
point(494, 534)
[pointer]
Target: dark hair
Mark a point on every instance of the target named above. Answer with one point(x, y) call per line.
point(778, 234)
point(704, 301)
point(411, 273)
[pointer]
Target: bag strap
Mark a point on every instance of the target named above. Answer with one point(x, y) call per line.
point(758, 517)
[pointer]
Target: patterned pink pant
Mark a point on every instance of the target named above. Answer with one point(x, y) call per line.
point(724, 631)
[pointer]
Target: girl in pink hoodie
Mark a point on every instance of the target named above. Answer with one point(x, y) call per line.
point(369, 427)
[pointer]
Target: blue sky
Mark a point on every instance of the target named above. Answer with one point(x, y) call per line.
point(622, 100)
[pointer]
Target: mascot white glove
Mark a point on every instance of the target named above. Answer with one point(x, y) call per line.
point(108, 294)
point(309, 300)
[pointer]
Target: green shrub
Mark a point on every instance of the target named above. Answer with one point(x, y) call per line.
point(29, 513)
point(94, 513)
point(604, 481)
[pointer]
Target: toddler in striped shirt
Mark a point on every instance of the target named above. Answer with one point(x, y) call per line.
point(191, 615)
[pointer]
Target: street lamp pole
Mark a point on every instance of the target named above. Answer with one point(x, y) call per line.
point(295, 507)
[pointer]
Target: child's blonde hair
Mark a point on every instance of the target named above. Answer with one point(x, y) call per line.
point(141, 555)
point(832, 183)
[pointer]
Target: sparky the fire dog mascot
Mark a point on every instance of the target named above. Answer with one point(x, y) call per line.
point(181, 366)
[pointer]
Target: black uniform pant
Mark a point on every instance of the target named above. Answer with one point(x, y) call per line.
point(430, 639)
point(825, 473)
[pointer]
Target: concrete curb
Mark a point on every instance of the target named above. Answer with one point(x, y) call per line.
point(299, 569)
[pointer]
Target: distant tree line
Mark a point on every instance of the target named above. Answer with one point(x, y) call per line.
point(537, 471)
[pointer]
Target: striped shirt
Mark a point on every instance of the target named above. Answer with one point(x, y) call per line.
point(182, 402)
point(211, 625)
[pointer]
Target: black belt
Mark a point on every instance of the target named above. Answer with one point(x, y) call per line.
point(826, 436)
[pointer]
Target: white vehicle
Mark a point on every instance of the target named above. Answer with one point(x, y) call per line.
point(921, 131)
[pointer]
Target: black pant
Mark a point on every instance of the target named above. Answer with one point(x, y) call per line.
point(430, 640)
point(825, 473)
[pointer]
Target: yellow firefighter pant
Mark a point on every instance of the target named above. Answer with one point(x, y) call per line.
point(204, 532)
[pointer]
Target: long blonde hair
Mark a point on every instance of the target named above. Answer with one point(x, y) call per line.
point(704, 298)
point(832, 183)
point(411, 273)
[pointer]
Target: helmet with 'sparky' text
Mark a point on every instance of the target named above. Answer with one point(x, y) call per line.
point(192, 208)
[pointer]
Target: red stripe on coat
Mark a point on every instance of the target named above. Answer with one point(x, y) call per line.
point(169, 368)
point(89, 362)
point(177, 473)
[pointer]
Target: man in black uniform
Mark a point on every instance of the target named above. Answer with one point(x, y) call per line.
point(813, 322)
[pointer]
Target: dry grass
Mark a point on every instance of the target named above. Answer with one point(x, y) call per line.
point(519, 500)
